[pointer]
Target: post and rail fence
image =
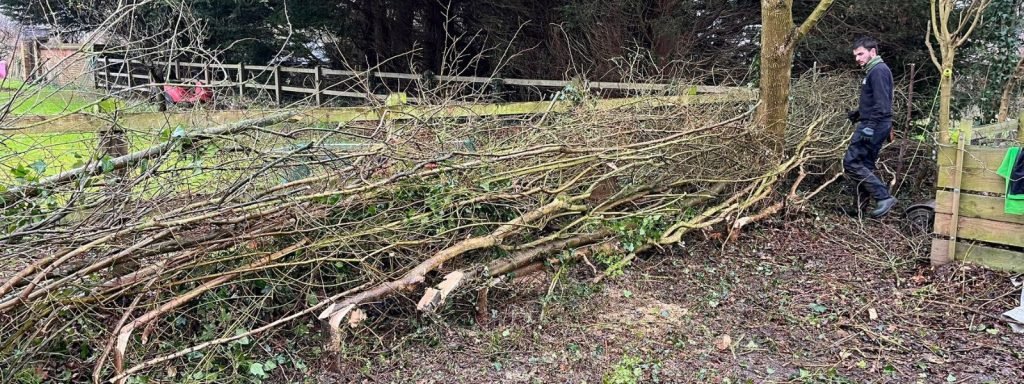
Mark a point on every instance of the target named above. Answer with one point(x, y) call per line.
point(319, 84)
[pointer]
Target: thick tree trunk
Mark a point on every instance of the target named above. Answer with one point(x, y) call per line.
point(776, 67)
point(433, 36)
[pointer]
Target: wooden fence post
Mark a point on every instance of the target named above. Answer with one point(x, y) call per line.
point(177, 69)
point(318, 84)
point(106, 73)
point(95, 73)
point(128, 68)
point(241, 80)
point(958, 173)
point(277, 84)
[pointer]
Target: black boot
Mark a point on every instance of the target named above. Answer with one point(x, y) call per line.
point(883, 207)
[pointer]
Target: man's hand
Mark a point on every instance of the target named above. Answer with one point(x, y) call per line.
point(853, 116)
point(892, 135)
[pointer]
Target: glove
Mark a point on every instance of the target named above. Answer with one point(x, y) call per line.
point(853, 116)
point(867, 134)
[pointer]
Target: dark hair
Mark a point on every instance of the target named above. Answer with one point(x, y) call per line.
point(866, 43)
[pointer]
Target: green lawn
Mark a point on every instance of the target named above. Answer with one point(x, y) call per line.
point(24, 99)
point(30, 156)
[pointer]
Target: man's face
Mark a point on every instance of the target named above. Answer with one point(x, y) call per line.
point(863, 56)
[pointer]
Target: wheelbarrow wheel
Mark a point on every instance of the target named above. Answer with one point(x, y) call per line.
point(920, 220)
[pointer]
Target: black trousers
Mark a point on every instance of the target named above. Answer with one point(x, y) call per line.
point(860, 158)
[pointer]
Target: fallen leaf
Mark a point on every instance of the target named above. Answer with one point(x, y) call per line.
point(723, 342)
point(357, 317)
point(872, 314)
point(934, 359)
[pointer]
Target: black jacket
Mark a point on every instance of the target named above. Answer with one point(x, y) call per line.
point(876, 96)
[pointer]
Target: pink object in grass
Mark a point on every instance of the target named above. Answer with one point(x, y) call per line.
point(188, 94)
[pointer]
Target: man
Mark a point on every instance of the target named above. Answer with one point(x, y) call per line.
point(873, 119)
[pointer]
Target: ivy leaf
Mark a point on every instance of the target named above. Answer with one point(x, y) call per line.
point(256, 369)
point(107, 164)
point(818, 308)
point(20, 172)
point(39, 166)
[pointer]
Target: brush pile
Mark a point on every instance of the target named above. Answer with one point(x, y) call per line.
point(235, 231)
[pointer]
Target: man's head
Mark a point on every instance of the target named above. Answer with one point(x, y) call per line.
point(865, 49)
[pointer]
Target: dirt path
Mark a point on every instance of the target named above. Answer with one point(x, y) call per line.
point(803, 301)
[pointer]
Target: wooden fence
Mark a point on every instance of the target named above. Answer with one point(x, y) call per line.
point(320, 84)
point(969, 216)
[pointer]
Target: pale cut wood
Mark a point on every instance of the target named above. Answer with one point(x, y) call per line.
point(977, 206)
point(979, 180)
point(970, 228)
point(977, 157)
point(965, 137)
point(995, 258)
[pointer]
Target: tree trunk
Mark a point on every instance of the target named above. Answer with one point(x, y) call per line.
point(433, 36)
point(776, 68)
point(945, 99)
point(663, 38)
point(1011, 83)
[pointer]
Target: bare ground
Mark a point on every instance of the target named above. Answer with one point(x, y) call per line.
point(817, 298)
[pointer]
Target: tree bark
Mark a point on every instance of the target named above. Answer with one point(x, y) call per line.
point(778, 41)
point(776, 67)
point(941, 12)
point(1011, 83)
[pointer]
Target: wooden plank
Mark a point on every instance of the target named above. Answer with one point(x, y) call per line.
point(536, 83)
point(338, 72)
point(344, 93)
point(258, 67)
point(996, 130)
point(395, 75)
point(976, 157)
point(990, 231)
point(297, 89)
point(965, 137)
point(995, 258)
point(980, 180)
point(298, 70)
point(465, 79)
point(260, 86)
point(1006, 125)
point(977, 206)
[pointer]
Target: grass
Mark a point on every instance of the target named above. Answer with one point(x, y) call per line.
point(27, 99)
point(47, 153)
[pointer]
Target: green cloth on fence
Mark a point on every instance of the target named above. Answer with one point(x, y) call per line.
point(1014, 202)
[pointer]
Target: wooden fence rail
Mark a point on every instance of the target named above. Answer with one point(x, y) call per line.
point(345, 83)
point(969, 203)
